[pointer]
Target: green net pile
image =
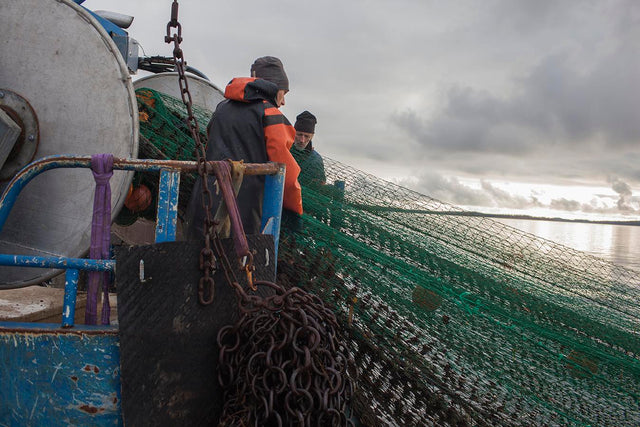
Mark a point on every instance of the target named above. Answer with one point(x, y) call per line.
point(452, 319)
point(164, 135)
point(460, 320)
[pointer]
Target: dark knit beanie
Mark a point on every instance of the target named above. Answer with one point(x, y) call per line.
point(271, 69)
point(306, 122)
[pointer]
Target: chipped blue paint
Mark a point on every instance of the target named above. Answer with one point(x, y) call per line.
point(272, 206)
point(53, 376)
point(111, 28)
point(167, 218)
point(70, 293)
point(58, 262)
point(70, 375)
point(71, 161)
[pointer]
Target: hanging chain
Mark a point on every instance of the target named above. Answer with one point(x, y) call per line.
point(206, 290)
point(284, 362)
point(303, 377)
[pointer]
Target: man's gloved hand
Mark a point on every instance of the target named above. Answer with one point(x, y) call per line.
point(291, 221)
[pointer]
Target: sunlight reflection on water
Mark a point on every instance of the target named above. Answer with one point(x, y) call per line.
point(619, 244)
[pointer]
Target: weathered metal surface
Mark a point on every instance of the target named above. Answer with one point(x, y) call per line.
point(70, 296)
point(9, 133)
point(22, 152)
point(168, 340)
point(119, 19)
point(85, 104)
point(31, 304)
point(57, 262)
point(167, 216)
point(26, 175)
point(59, 377)
point(272, 207)
point(203, 93)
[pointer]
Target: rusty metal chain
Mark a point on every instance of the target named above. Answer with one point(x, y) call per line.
point(284, 362)
point(206, 290)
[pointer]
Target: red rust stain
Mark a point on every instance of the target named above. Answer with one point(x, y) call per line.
point(90, 409)
point(74, 378)
point(90, 368)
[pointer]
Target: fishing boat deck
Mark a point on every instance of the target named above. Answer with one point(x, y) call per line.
point(44, 305)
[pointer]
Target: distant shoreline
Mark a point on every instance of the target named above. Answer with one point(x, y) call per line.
point(537, 218)
point(491, 215)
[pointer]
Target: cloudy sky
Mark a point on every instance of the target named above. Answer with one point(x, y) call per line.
point(503, 104)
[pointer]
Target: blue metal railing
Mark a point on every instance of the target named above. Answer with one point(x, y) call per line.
point(167, 212)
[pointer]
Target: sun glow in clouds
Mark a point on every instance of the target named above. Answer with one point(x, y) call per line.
point(569, 202)
point(594, 203)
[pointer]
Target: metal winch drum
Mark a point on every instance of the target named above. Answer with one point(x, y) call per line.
point(204, 93)
point(64, 89)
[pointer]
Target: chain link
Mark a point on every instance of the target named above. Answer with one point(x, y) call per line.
point(284, 362)
point(206, 290)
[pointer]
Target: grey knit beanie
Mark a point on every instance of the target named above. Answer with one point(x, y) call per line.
point(271, 69)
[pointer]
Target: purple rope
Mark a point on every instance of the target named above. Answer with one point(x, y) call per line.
point(102, 168)
point(222, 170)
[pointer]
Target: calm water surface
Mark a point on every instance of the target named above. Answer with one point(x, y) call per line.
point(619, 244)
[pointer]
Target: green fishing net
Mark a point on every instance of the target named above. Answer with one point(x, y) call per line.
point(164, 135)
point(452, 319)
point(461, 320)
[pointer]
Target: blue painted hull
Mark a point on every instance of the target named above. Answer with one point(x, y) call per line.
point(53, 376)
point(66, 374)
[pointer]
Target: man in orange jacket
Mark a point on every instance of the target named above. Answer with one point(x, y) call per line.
point(248, 126)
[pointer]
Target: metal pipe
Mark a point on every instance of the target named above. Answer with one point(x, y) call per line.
point(272, 208)
point(22, 178)
point(167, 211)
point(58, 262)
point(70, 293)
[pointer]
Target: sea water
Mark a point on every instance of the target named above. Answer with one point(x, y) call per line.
point(619, 244)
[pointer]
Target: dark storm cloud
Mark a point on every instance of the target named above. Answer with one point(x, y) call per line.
point(452, 190)
point(578, 106)
point(625, 194)
point(505, 199)
point(471, 121)
point(563, 204)
point(506, 89)
point(555, 105)
point(575, 112)
point(449, 190)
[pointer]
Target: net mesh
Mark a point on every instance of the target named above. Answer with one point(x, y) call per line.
point(495, 325)
point(165, 135)
point(453, 319)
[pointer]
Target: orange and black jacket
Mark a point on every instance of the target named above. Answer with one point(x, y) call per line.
point(248, 126)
